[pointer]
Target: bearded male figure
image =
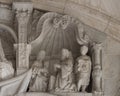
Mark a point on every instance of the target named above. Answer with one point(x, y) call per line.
point(65, 79)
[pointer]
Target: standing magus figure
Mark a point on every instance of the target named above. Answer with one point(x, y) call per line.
point(83, 69)
point(40, 75)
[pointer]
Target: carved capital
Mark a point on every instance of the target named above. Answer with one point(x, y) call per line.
point(23, 11)
point(23, 16)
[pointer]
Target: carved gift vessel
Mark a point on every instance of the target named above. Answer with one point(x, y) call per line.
point(56, 54)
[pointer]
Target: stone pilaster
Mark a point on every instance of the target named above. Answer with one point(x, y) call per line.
point(97, 54)
point(23, 12)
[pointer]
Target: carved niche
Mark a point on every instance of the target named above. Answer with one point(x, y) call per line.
point(65, 58)
point(58, 32)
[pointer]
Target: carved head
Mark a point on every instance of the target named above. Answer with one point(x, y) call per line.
point(41, 55)
point(65, 54)
point(84, 50)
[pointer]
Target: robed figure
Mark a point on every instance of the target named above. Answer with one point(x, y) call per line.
point(65, 79)
point(40, 74)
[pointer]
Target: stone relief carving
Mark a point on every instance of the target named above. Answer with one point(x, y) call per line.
point(58, 28)
point(40, 75)
point(82, 37)
point(6, 69)
point(83, 69)
point(33, 34)
point(65, 80)
point(70, 76)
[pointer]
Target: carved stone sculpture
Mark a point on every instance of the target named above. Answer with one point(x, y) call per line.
point(6, 69)
point(58, 28)
point(96, 75)
point(64, 80)
point(83, 69)
point(40, 75)
point(82, 37)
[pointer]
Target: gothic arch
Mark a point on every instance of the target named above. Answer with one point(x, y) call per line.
point(100, 21)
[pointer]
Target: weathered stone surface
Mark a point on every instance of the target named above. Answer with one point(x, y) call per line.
point(51, 5)
point(55, 94)
point(109, 7)
point(6, 1)
point(111, 67)
point(86, 15)
point(98, 15)
point(89, 15)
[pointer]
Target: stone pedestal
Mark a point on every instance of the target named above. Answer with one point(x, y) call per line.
point(55, 94)
point(23, 13)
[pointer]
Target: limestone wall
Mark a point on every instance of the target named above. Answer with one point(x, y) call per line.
point(100, 15)
point(111, 68)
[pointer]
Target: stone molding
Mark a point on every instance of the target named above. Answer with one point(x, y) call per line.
point(100, 20)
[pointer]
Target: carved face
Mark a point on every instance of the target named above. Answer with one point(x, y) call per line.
point(65, 54)
point(84, 50)
point(41, 55)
